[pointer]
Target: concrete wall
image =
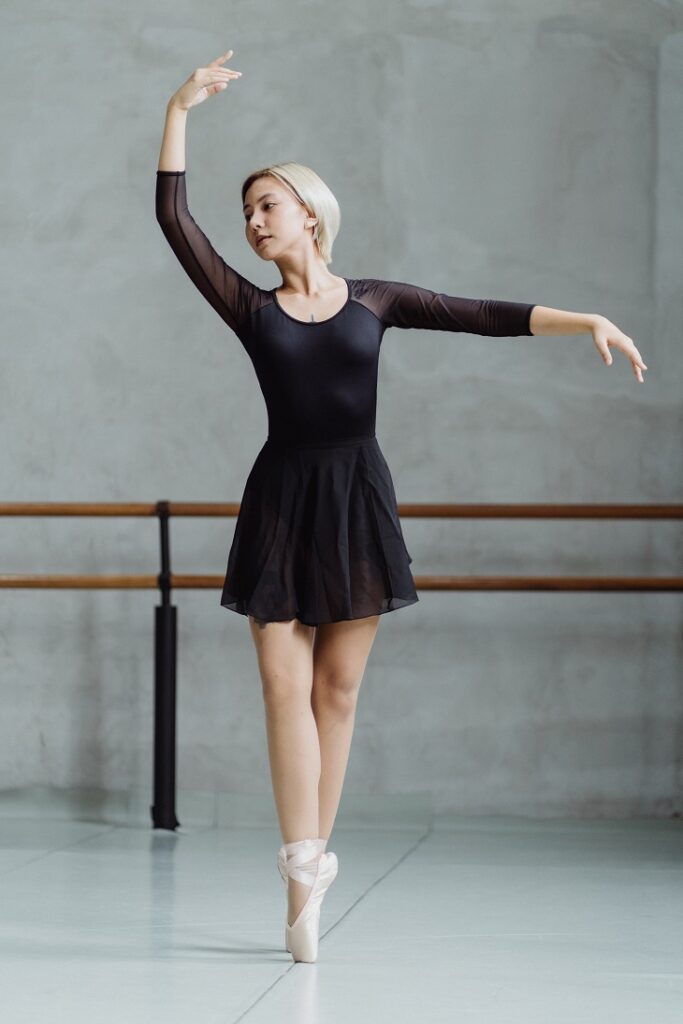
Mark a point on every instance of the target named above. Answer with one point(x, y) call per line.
point(528, 152)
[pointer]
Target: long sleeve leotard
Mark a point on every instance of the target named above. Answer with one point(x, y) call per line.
point(319, 378)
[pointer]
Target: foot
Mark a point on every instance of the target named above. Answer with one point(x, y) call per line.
point(301, 938)
point(297, 894)
point(299, 890)
point(308, 872)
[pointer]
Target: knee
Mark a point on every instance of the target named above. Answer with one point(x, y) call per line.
point(284, 691)
point(338, 692)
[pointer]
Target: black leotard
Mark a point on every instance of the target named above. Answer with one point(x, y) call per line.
point(319, 378)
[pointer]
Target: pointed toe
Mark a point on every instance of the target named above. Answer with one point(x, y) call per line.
point(302, 936)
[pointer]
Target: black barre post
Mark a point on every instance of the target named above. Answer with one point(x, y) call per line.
point(165, 651)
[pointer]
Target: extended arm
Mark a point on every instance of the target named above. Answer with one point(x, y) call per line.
point(545, 320)
point(399, 304)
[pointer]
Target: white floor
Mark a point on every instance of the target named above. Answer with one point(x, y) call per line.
point(472, 920)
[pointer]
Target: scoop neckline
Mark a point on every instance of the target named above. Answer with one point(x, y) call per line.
point(313, 323)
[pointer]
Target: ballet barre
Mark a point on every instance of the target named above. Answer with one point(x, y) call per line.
point(163, 809)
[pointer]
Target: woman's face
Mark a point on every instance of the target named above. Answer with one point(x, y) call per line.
point(271, 209)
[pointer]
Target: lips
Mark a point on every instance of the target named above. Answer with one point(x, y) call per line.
point(263, 238)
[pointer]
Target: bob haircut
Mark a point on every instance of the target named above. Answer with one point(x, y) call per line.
point(311, 191)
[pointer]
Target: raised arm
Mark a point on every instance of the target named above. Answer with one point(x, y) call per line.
point(202, 83)
point(230, 294)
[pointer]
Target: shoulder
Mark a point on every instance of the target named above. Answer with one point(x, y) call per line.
point(376, 294)
point(370, 286)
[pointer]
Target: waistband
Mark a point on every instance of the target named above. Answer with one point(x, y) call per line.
point(337, 442)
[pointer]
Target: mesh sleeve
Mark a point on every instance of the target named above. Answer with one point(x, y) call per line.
point(407, 305)
point(230, 294)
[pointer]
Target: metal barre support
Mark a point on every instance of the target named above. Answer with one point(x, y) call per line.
point(165, 661)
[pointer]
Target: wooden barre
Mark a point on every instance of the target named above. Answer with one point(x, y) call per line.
point(186, 581)
point(428, 510)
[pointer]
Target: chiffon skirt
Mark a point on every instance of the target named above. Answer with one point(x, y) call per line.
point(318, 536)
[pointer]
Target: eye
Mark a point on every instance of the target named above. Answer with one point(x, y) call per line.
point(266, 205)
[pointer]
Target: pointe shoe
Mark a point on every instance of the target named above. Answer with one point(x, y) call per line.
point(282, 868)
point(282, 858)
point(306, 861)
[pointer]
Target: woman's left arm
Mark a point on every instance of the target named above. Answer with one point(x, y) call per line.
point(545, 320)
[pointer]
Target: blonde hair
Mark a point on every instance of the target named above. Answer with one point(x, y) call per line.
point(312, 192)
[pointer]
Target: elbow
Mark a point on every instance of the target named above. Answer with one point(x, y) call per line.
point(164, 219)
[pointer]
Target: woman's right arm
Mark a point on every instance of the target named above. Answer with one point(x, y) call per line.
point(172, 155)
point(227, 291)
point(202, 83)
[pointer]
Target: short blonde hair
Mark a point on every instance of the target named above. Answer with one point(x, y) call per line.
point(312, 192)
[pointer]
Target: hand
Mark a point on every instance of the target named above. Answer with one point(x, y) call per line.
point(205, 82)
point(605, 333)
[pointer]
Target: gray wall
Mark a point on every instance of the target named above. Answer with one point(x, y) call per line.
point(528, 152)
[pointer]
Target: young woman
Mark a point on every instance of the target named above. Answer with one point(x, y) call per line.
point(318, 552)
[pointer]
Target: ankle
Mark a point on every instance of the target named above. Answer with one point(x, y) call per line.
point(302, 856)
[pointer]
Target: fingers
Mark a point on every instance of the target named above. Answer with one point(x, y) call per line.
point(637, 363)
point(221, 60)
point(214, 70)
point(224, 74)
point(625, 344)
point(218, 78)
point(633, 353)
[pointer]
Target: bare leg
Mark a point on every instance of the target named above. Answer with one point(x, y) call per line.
point(285, 660)
point(340, 654)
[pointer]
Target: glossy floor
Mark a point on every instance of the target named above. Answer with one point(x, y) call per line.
point(469, 919)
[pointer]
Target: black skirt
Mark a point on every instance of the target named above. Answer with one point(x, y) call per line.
point(318, 536)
